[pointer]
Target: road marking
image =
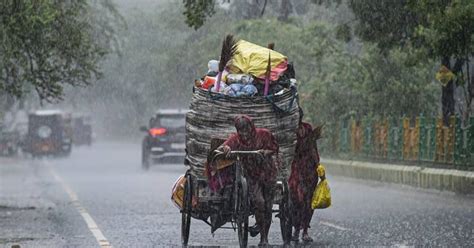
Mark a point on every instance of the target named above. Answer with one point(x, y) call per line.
point(103, 242)
point(334, 226)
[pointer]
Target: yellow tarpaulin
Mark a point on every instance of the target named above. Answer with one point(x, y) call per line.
point(253, 59)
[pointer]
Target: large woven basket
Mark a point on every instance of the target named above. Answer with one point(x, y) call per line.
point(212, 116)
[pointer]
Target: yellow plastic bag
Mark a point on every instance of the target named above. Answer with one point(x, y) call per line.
point(321, 170)
point(322, 194)
point(253, 59)
point(177, 193)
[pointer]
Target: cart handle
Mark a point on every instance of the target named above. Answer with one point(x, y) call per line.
point(220, 153)
point(246, 152)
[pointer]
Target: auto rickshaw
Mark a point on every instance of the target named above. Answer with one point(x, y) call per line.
point(82, 130)
point(49, 133)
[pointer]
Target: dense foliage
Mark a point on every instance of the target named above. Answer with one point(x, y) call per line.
point(441, 30)
point(48, 44)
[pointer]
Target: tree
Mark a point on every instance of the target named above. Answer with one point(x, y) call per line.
point(443, 29)
point(47, 44)
point(449, 35)
point(198, 11)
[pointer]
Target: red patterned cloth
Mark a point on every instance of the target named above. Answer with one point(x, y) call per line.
point(264, 171)
point(261, 138)
point(303, 178)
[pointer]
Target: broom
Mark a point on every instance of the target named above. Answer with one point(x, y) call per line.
point(229, 47)
point(271, 46)
point(317, 133)
point(267, 76)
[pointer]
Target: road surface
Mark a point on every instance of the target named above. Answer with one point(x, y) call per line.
point(100, 197)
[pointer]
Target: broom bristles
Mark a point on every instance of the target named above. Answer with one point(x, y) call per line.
point(271, 46)
point(317, 132)
point(229, 47)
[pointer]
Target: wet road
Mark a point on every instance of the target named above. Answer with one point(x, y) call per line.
point(100, 194)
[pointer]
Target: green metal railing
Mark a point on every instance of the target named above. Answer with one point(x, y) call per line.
point(420, 139)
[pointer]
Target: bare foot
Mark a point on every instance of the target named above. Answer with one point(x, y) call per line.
point(306, 238)
point(296, 236)
point(263, 243)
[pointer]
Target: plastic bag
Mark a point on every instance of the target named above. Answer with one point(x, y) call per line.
point(229, 91)
point(208, 82)
point(321, 170)
point(177, 193)
point(232, 89)
point(236, 87)
point(239, 78)
point(221, 89)
point(213, 65)
point(237, 90)
point(248, 90)
point(322, 194)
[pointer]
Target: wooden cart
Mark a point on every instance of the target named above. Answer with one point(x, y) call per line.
point(211, 118)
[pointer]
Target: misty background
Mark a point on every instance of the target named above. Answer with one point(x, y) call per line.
point(156, 56)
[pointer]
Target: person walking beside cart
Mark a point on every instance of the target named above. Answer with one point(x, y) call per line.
point(303, 178)
point(261, 174)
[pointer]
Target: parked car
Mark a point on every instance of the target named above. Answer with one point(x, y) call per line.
point(49, 133)
point(165, 136)
point(9, 142)
point(82, 130)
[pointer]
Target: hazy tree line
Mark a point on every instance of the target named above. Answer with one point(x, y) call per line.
point(352, 58)
point(439, 30)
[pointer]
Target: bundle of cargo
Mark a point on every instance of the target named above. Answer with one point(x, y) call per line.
point(212, 111)
point(247, 69)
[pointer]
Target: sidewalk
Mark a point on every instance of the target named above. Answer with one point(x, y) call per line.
point(441, 179)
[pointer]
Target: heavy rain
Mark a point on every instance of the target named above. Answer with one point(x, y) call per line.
point(236, 123)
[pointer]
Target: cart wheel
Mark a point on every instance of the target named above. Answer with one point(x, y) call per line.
point(186, 211)
point(285, 215)
point(242, 212)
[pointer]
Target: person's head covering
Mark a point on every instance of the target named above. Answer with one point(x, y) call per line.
point(244, 122)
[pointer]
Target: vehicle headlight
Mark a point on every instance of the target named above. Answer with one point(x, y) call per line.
point(44, 132)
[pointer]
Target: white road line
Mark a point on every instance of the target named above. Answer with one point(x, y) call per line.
point(334, 226)
point(103, 242)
